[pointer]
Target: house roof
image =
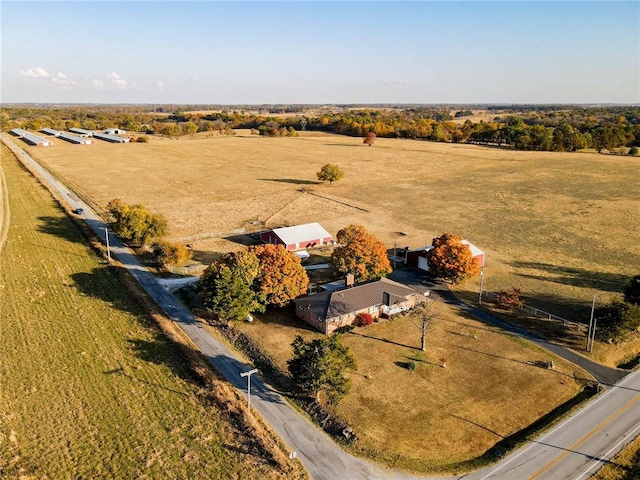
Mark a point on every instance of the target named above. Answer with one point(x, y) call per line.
point(475, 251)
point(301, 233)
point(327, 305)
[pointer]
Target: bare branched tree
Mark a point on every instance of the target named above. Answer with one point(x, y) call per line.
point(423, 316)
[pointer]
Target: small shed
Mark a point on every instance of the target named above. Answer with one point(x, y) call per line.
point(418, 257)
point(298, 237)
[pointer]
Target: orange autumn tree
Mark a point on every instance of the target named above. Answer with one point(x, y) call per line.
point(451, 259)
point(282, 277)
point(361, 254)
point(369, 138)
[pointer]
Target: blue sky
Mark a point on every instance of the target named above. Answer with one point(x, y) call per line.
point(320, 52)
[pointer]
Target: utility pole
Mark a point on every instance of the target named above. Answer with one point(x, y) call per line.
point(481, 280)
point(593, 307)
point(248, 375)
point(593, 334)
point(106, 237)
point(394, 254)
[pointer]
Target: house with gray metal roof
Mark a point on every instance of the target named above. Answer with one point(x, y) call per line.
point(330, 310)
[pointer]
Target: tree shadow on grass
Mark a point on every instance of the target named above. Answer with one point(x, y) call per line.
point(60, 227)
point(104, 283)
point(294, 181)
point(534, 363)
point(577, 277)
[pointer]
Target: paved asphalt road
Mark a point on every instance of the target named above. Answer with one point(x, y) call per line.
point(569, 451)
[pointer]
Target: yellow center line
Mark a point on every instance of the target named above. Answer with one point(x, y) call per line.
point(598, 427)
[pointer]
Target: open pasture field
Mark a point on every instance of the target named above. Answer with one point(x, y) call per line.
point(558, 225)
point(433, 418)
point(89, 388)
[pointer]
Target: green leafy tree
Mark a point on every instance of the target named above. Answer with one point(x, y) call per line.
point(632, 291)
point(451, 259)
point(189, 128)
point(282, 277)
point(229, 286)
point(616, 321)
point(633, 151)
point(135, 223)
point(322, 365)
point(330, 172)
point(361, 254)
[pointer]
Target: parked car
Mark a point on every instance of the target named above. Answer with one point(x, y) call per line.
point(79, 211)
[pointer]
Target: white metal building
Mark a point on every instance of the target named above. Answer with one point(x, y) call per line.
point(51, 132)
point(75, 139)
point(82, 132)
point(110, 138)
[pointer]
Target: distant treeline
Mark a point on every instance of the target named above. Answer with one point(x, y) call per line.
point(524, 127)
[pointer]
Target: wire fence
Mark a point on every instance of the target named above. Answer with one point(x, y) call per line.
point(538, 312)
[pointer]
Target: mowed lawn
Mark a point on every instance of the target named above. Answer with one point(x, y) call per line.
point(434, 418)
point(89, 388)
point(557, 225)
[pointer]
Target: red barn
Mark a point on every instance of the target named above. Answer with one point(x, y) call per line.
point(418, 256)
point(298, 237)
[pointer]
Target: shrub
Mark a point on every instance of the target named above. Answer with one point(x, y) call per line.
point(411, 365)
point(510, 298)
point(633, 151)
point(345, 329)
point(172, 253)
point(142, 139)
point(363, 320)
point(616, 321)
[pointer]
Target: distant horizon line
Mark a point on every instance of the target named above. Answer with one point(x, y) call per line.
point(337, 104)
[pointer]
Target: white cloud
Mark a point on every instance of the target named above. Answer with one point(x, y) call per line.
point(39, 73)
point(62, 80)
point(111, 80)
point(34, 73)
point(117, 81)
point(193, 79)
point(160, 86)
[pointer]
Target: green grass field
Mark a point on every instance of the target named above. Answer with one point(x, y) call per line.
point(89, 386)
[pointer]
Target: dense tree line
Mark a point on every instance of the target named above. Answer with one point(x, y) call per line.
point(523, 127)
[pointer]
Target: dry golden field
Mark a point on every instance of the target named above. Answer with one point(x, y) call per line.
point(558, 225)
point(432, 417)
